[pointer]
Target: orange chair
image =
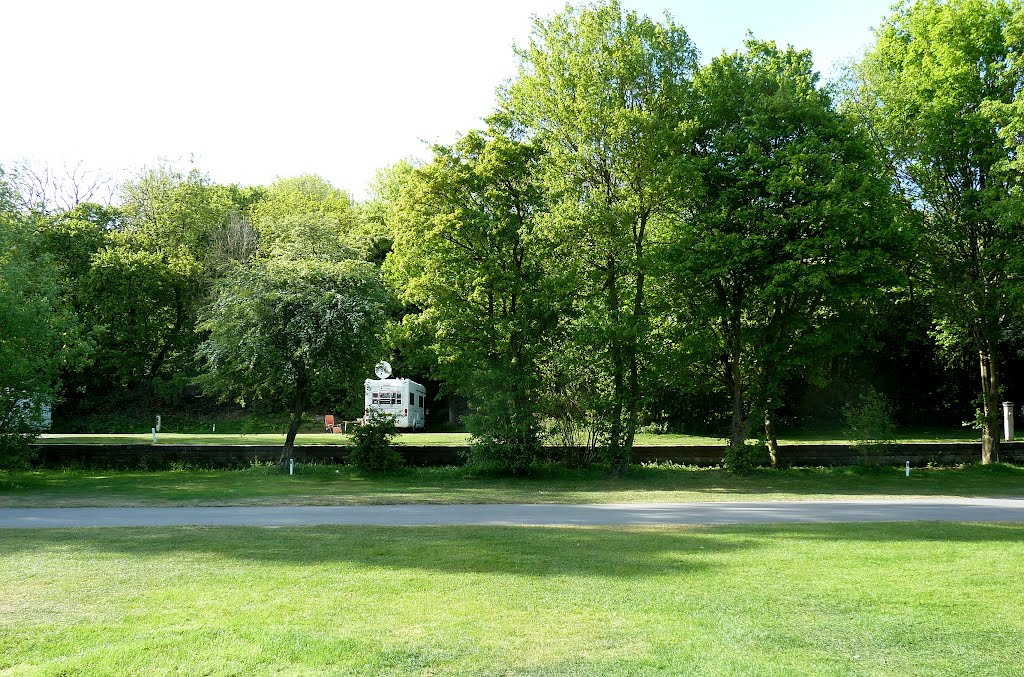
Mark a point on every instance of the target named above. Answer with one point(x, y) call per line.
point(329, 423)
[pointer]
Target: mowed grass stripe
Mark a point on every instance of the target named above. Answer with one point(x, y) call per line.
point(458, 439)
point(343, 485)
point(819, 599)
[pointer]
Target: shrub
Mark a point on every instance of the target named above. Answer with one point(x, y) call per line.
point(371, 444)
point(869, 427)
point(504, 443)
point(20, 423)
point(15, 452)
point(747, 457)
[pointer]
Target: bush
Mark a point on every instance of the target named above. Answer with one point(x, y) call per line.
point(15, 453)
point(505, 443)
point(869, 428)
point(20, 423)
point(747, 457)
point(371, 448)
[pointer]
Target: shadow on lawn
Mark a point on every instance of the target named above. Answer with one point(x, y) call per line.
point(618, 552)
point(527, 551)
point(974, 480)
point(341, 484)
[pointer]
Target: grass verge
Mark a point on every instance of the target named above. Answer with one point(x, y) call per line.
point(861, 599)
point(917, 435)
point(343, 485)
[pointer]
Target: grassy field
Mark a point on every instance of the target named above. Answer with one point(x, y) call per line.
point(343, 485)
point(274, 439)
point(870, 599)
point(460, 438)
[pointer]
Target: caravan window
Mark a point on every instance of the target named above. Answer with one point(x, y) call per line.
point(386, 396)
point(421, 400)
point(412, 399)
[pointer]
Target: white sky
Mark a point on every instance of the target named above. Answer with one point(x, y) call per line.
point(254, 90)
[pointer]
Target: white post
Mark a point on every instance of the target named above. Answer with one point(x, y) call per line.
point(908, 468)
point(291, 466)
point(1008, 421)
point(154, 435)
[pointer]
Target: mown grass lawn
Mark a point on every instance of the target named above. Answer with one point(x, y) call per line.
point(461, 439)
point(319, 438)
point(860, 599)
point(343, 485)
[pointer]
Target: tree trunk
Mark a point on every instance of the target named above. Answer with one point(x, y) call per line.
point(769, 435)
point(631, 415)
point(298, 407)
point(632, 360)
point(171, 338)
point(990, 432)
point(618, 368)
point(739, 423)
point(732, 330)
point(615, 434)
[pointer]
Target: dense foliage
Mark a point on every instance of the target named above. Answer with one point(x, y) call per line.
point(634, 239)
point(371, 444)
point(940, 91)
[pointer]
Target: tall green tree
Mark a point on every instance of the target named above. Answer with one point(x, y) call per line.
point(294, 331)
point(38, 332)
point(473, 266)
point(167, 211)
point(147, 280)
point(784, 228)
point(143, 306)
point(940, 84)
point(305, 216)
point(603, 90)
point(380, 215)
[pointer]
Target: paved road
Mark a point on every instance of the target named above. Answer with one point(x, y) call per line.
point(939, 509)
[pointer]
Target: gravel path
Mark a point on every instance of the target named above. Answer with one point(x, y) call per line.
point(952, 509)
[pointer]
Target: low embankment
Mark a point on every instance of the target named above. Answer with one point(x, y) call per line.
point(158, 456)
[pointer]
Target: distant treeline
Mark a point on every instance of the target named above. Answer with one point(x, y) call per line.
point(634, 240)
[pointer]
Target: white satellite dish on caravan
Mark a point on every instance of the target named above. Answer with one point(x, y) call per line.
point(383, 369)
point(402, 398)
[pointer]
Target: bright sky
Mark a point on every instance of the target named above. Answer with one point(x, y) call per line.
point(253, 90)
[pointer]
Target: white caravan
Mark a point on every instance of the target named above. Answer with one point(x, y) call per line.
point(400, 397)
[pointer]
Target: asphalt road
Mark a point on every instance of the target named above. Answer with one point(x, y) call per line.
point(939, 509)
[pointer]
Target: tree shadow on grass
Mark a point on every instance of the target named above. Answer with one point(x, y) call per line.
point(528, 551)
point(341, 485)
point(615, 552)
point(974, 480)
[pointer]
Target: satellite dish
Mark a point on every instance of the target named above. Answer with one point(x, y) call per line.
point(383, 369)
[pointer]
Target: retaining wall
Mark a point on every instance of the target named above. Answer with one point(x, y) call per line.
point(157, 456)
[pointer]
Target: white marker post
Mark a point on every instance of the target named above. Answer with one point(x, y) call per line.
point(1008, 421)
point(154, 435)
point(291, 466)
point(908, 468)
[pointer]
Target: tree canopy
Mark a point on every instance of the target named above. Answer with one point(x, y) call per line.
point(471, 261)
point(939, 90)
point(293, 330)
point(786, 227)
point(632, 241)
point(604, 90)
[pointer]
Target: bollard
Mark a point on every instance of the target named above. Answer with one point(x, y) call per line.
point(1008, 421)
point(291, 466)
point(908, 468)
point(154, 435)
